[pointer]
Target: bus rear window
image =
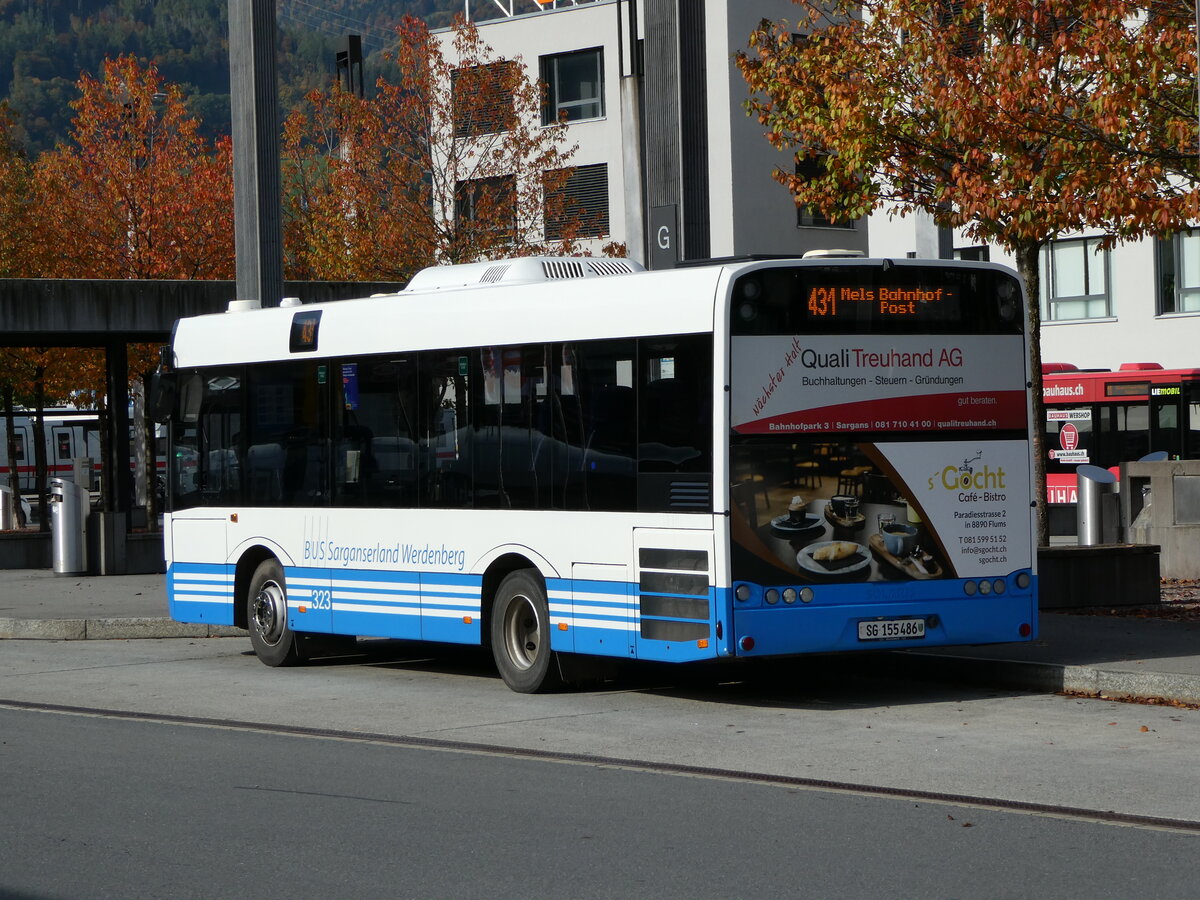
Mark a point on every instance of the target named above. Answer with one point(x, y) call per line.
point(880, 299)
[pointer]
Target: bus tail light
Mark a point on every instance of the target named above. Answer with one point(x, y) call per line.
point(746, 643)
point(1025, 630)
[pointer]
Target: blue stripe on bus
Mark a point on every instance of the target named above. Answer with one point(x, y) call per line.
point(600, 616)
point(412, 605)
point(603, 617)
point(201, 593)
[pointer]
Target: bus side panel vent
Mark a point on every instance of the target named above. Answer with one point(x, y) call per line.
point(562, 268)
point(494, 274)
point(689, 495)
point(660, 630)
point(674, 595)
point(674, 492)
point(610, 266)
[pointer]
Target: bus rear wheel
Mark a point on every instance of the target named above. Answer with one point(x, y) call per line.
point(273, 640)
point(520, 633)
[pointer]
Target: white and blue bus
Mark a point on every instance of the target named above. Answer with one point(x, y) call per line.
point(573, 456)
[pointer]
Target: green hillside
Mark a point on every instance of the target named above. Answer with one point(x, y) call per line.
point(50, 43)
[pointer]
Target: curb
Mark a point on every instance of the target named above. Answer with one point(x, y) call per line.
point(109, 629)
point(1057, 677)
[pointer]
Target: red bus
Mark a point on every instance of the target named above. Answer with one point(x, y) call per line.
point(1104, 418)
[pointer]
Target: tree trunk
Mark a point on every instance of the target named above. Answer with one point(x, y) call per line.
point(39, 448)
point(107, 467)
point(14, 475)
point(145, 424)
point(1026, 252)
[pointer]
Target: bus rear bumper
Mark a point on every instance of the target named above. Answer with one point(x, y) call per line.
point(817, 629)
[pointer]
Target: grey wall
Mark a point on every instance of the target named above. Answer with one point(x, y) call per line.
point(763, 211)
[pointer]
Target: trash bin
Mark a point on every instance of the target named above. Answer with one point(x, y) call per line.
point(8, 508)
point(68, 526)
point(1096, 495)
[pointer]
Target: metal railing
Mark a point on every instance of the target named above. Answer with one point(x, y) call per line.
point(511, 8)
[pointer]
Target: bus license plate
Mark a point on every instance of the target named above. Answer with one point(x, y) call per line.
point(891, 630)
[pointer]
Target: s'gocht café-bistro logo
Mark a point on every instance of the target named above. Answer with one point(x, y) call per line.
point(973, 482)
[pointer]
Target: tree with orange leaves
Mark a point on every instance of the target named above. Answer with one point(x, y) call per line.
point(137, 193)
point(16, 201)
point(448, 163)
point(1015, 120)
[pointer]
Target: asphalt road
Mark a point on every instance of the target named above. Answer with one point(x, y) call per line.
point(97, 807)
point(821, 719)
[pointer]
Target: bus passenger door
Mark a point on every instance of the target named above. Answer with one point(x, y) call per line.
point(1165, 419)
point(675, 601)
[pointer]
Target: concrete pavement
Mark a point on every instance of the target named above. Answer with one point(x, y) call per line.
point(36, 604)
point(1108, 655)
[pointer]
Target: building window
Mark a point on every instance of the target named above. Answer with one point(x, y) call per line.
point(1179, 273)
point(483, 98)
point(487, 205)
point(974, 254)
point(806, 217)
point(579, 206)
point(1074, 280)
point(574, 86)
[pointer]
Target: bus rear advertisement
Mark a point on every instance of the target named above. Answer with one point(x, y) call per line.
point(563, 458)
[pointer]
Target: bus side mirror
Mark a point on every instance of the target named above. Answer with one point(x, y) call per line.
point(191, 392)
point(161, 396)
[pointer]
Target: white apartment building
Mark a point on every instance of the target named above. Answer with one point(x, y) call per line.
point(655, 103)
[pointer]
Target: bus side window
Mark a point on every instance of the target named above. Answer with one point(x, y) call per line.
point(513, 468)
point(1191, 449)
point(204, 465)
point(375, 451)
point(219, 459)
point(605, 381)
point(675, 408)
point(445, 476)
point(289, 435)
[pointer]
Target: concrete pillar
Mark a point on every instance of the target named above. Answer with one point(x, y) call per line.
point(258, 235)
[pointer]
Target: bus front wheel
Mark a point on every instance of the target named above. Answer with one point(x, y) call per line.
point(520, 632)
point(267, 618)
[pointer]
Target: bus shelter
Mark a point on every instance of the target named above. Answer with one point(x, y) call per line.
point(112, 314)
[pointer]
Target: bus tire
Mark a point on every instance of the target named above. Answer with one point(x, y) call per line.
point(520, 632)
point(273, 640)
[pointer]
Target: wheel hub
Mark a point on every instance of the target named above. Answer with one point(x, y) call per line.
point(521, 632)
point(270, 613)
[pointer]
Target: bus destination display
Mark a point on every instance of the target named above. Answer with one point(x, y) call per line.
point(834, 301)
point(893, 298)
